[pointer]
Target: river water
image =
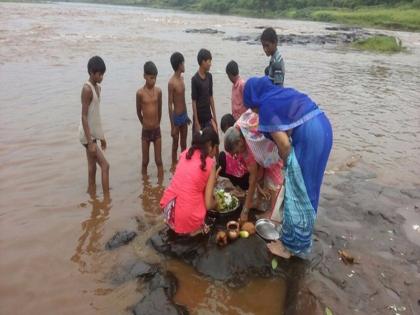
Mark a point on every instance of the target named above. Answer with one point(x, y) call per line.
point(52, 234)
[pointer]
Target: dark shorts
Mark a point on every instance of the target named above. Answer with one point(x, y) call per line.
point(85, 145)
point(181, 119)
point(150, 135)
point(205, 124)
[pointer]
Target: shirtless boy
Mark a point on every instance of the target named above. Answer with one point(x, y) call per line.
point(176, 106)
point(149, 112)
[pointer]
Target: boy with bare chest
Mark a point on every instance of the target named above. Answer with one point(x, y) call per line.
point(149, 112)
point(177, 107)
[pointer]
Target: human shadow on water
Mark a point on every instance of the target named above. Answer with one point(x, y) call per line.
point(150, 197)
point(92, 232)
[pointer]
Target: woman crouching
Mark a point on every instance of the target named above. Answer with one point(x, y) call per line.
point(190, 192)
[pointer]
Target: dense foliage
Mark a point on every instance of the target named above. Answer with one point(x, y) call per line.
point(389, 14)
point(263, 6)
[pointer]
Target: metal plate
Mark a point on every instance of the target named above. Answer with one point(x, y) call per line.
point(267, 229)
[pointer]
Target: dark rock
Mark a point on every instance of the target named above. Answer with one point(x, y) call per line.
point(203, 31)
point(120, 238)
point(131, 270)
point(342, 35)
point(168, 282)
point(158, 299)
point(411, 193)
point(184, 247)
point(233, 264)
point(241, 258)
point(240, 38)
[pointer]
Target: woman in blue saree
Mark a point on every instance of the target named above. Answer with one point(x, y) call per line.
point(303, 135)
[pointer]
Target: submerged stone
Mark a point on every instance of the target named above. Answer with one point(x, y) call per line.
point(120, 238)
point(131, 270)
point(158, 299)
point(203, 31)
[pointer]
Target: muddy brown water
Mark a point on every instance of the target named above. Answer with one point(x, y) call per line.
point(52, 235)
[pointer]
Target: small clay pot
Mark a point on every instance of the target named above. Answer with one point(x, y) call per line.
point(232, 230)
point(221, 238)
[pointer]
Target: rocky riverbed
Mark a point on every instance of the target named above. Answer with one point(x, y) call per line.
point(383, 278)
point(332, 35)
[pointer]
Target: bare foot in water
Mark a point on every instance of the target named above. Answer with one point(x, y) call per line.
point(277, 248)
point(92, 191)
point(107, 199)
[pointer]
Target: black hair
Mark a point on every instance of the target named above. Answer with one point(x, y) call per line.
point(176, 60)
point(203, 55)
point(150, 68)
point(96, 64)
point(232, 68)
point(227, 121)
point(199, 142)
point(269, 35)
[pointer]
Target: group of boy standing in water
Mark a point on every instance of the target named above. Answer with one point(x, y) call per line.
point(149, 106)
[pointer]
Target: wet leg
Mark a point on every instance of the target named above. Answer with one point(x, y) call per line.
point(145, 156)
point(103, 163)
point(158, 156)
point(183, 131)
point(175, 140)
point(91, 159)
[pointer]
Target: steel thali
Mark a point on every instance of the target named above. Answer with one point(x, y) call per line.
point(268, 229)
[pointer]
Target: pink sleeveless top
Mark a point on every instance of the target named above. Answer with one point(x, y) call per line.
point(187, 187)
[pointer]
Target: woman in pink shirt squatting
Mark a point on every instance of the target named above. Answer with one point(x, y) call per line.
point(232, 71)
point(190, 193)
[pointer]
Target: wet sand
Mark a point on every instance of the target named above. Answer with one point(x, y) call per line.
point(52, 256)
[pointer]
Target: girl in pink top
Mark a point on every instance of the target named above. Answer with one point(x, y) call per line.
point(190, 193)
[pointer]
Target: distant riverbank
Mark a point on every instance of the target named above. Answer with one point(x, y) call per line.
point(395, 18)
point(399, 17)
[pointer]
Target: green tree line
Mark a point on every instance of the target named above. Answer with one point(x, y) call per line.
point(264, 6)
point(389, 14)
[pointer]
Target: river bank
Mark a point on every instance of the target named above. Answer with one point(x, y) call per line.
point(404, 17)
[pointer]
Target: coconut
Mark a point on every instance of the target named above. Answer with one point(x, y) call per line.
point(249, 227)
